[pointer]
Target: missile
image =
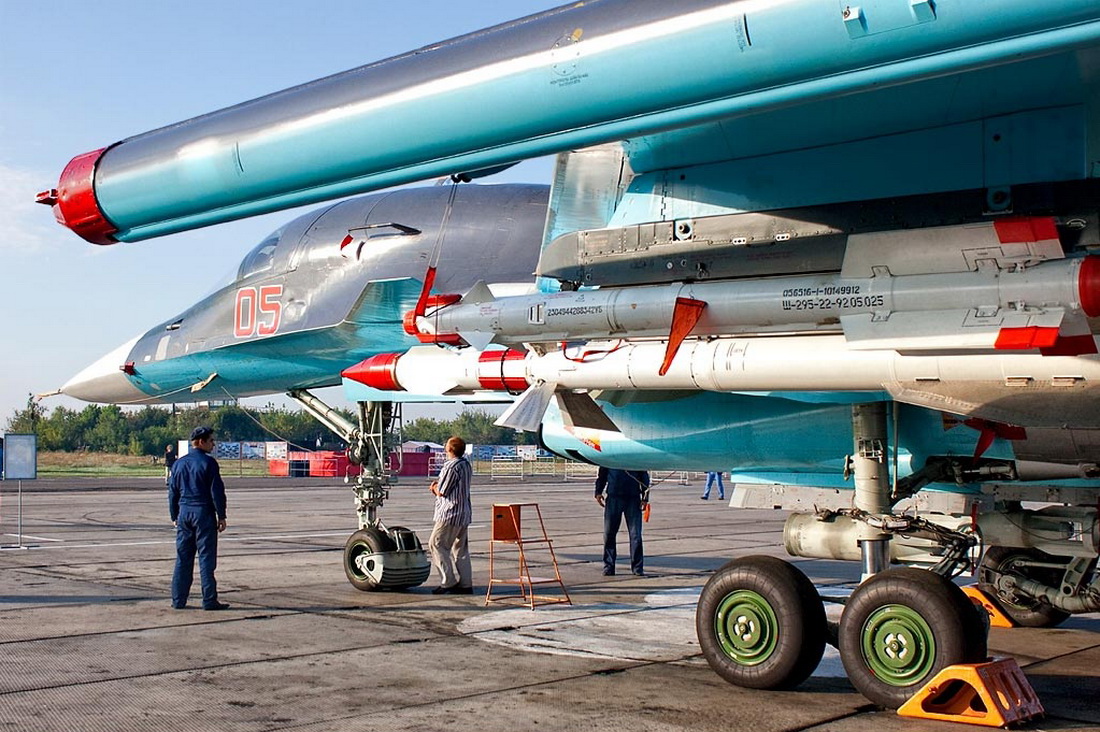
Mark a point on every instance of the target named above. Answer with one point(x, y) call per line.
point(1042, 306)
point(1009, 382)
point(723, 364)
point(580, 75)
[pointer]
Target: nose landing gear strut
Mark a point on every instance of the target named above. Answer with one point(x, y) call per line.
point(375, 557)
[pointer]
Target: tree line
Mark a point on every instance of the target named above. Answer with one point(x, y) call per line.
point(147, 430)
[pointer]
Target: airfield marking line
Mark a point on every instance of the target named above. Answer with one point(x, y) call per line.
point(104, 546)
point(36, 538)
point(257, 537)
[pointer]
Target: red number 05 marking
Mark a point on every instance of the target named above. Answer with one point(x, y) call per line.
point(257, 313)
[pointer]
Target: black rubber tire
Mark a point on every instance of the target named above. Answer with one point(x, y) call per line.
point(394, 546)
point(793, 634)
point(369, 541)
point(1037, 614)
point(893, 600)
point(395, 529)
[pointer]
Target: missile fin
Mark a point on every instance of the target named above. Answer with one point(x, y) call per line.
point(685, 316)
point(945, 330)
point(428, 383)
point(478, 294)
point(477, 339)
point(526, 413)
point(579, 409)
point(960, 248)
point(1075, 338)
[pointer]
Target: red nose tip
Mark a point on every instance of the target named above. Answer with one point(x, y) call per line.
point(1088, 284)
point(377, 372)
point(74, 201)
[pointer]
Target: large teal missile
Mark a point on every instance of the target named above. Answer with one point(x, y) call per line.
point(583, 74)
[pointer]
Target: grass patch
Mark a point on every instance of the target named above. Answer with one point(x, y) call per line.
point(102, 464)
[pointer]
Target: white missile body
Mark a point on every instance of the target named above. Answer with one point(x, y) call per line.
point(956, 383)
point(939, 310)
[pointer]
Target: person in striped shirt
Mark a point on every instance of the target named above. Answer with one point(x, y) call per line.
point(449, 542)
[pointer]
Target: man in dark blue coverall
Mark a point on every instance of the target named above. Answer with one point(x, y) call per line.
point(196, 503)
point(622, 493)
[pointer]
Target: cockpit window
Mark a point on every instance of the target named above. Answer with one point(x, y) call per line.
point(261, 257)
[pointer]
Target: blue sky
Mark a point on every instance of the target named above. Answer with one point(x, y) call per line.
point(76, 76)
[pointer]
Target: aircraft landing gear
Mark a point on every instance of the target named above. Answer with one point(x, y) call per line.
point(385, 559)
point(375, 557)
point(1041, 564)
point(903, 626)
point(1031, 612)
point(761, 623)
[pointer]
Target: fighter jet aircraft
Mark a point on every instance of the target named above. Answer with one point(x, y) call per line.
point(845, 251)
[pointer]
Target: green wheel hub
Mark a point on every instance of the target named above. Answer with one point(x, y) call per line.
point(746, 627)
point(353, 556)
point(898, 645)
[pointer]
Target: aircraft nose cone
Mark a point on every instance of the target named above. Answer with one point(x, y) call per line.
point(103, 381)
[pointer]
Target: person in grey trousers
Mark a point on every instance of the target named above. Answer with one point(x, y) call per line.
point(449, 542)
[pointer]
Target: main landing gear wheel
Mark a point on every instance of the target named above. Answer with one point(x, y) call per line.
point(761, 623)
point(364, 560)
point(903, 626)
point(1012, 560)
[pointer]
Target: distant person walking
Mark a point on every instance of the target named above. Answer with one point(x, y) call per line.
point(712, 478)
point(196, 503)
point(450, 542)
point(623, 494)
point(169, 461)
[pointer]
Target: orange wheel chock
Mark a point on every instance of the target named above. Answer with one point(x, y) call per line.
point(993, 694)
point(997, 618)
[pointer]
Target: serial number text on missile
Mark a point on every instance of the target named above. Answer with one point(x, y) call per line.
point(585, 310)
point(835, 303)
point(823, 290)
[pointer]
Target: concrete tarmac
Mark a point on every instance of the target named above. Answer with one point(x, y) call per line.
point(88, 640)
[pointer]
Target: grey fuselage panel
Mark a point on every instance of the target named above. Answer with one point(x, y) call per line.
point(492, 233)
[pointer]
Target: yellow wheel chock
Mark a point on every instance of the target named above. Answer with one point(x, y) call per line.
point(997, 618)
point(993, 694)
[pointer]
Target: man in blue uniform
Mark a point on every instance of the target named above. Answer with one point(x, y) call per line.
point(622, 493)
point(196, 503)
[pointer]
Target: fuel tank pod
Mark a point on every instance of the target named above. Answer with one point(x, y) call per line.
point(580, 75)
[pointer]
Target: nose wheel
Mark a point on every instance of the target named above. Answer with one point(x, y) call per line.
point(385, 560)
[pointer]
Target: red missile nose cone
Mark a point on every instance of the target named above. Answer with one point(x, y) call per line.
point(377, 372)
point(75, 204)
point(1088, 283)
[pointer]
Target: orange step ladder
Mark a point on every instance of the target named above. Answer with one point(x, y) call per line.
point(507, 532)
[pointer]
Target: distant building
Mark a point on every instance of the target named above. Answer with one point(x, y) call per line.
point(419, 446)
